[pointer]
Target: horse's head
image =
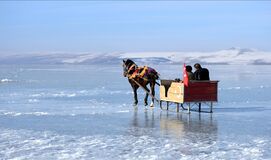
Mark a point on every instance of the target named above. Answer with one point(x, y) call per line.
point(128, 66)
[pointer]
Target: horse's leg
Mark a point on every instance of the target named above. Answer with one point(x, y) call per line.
point(146, 96)
point(152, 84)
point(135, 95)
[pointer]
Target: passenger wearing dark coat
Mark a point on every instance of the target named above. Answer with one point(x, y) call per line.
point(201, 73)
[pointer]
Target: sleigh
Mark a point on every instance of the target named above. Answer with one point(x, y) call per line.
point(193, 97)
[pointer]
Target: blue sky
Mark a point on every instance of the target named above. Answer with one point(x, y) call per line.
point(125, 26)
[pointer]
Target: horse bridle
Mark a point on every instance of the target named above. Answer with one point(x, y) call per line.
point(127, 69)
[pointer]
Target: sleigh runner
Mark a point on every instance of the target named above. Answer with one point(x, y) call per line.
point(195, 94)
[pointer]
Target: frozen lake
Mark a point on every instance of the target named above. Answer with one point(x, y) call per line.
point(86, 112)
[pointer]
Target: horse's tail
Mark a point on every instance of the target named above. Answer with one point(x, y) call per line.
point(153, 72)
point(156, 76)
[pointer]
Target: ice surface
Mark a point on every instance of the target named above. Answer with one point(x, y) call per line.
point(86, 112)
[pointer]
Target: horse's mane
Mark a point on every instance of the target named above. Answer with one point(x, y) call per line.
point(129, 62)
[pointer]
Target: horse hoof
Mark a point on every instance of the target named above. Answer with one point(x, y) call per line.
point(146, 103)
point(151, 105)
point(135, 104)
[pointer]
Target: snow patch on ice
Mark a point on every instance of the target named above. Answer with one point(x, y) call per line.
point(25, 144)
point(6, 80)
point(33, 100)
point(26, 113)
point(70, 94)
point(62, 94)
point(123, 111)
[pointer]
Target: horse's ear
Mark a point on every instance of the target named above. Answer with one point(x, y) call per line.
point(123, 61)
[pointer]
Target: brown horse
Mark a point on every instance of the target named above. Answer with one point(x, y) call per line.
point(140, 76)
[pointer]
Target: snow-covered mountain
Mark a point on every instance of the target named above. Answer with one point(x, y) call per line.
point(228, 56)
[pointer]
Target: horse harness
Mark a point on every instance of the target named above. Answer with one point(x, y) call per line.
point(139, 72)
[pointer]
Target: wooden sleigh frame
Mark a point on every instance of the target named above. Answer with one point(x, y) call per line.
point(195, 95)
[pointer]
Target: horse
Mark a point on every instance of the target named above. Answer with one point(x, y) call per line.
point(140, 77)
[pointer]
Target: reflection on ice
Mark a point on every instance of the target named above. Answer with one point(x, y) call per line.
point(181, 125)
point(176, 126)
